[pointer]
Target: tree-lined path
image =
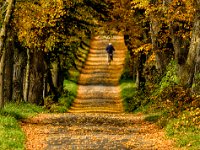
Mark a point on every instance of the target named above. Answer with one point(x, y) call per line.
point(96, 119)
point(98, 90)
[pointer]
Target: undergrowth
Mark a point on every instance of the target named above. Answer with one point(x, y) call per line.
point(65, 101)
point(169, 105)
point(11, 135)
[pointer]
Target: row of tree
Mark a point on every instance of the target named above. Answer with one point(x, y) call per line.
point(39, 41)
point(158, 31)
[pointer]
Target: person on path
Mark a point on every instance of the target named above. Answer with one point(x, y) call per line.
point(110, 49)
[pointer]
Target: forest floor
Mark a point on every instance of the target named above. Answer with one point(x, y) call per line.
point(87, 131)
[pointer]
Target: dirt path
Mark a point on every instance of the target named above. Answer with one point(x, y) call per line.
point(96, 120)
point(93, 131)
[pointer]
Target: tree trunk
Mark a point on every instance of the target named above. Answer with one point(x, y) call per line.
point(131, 66)
point(2, 68)
point(137, 82)
point(18, 74)
point(45, 86)
point(188, 70)
point(3, 36)
point(57, 76)
point(6, 21)
point(37, 71)
point(52, 89)
point(60, 77)
point(140, 82)
point(9, 68)
point(55, 72)
point(154, 28)
point(27, 77)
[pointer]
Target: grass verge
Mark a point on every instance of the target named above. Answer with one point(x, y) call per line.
point(128, 90)
point(11, 135)
point(184, 128)
point(64, 102)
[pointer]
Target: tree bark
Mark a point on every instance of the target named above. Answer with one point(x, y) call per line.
point(3, 32)
point(140, 82)
point(131, 66)
point(37, 71)
point(18, 74)
point(52, 89)
point(45, 86)
point(55, 72)
point(188, 70)
point(27, 77)
point(154, 28)
point(2, 69)
point(60, 77)
point(3, 36)
point(8, 79)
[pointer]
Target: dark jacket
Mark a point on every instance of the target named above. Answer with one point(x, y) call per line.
point(110, 49)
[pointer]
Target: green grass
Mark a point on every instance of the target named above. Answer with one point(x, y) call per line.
point(128, 91)
point(64, 102)
point(152, 117)
point(128, 88)
point(134, 101)
point(11, 135)
point(71, 87)
point(185, 129)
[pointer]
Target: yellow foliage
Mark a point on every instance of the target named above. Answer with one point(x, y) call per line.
point(151, 58)
point(37, 24)
point(144, 48)
point(140, 4)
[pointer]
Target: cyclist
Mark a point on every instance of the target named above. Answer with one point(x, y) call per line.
point(110, 49)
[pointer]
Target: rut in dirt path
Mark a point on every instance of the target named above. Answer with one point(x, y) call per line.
point(96, 120)
point(98, 89)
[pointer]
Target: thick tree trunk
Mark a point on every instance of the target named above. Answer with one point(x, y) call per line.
point(9, 68)
point(3, 36)
point(188, 70)
point(36, 78)
point(18, 74)
point(57, 76)
point(52, 89)
point(154, 28)
point(6, 21)
point(180, 49)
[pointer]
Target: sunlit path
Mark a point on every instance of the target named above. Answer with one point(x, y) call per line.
point(96, 120)
point(99, 90)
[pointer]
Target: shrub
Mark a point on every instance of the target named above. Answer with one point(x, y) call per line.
point(65, 101)
point(186, 129)
point(176, 99)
